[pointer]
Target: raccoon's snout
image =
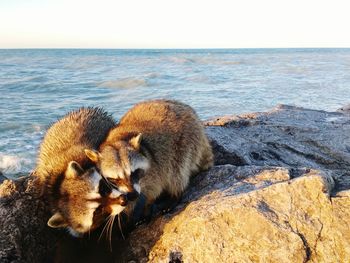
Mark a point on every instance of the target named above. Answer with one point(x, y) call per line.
point(132, 196)
point(123, 200)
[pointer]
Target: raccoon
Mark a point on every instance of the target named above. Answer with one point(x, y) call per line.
point(155, 148)
point(77, 194)
point(81, 200)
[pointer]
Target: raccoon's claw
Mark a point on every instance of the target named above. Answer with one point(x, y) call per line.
point(167, 210)
point(167, 204)
point(142, 221)
point(149, 212)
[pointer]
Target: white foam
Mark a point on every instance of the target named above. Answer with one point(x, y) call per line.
point(11, 163)
point(38, 128)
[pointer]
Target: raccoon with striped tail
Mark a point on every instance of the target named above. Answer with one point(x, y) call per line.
point(77, 194)
point(155, 148)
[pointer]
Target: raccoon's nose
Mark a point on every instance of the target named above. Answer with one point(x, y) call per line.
point(132, 195)
point(123, 200)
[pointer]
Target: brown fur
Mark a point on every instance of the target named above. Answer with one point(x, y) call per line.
point(67, 138)
point(172, 140)
point(66, 185)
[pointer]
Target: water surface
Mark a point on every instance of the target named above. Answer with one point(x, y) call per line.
point(39, 86)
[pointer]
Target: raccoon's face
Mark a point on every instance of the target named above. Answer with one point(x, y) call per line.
point(122, 164)
point(84, 200)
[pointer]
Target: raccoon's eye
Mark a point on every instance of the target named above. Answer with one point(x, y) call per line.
point(137, 175)
point(103, 188)
point(114, 181)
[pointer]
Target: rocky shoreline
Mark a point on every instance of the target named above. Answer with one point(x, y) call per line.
point(279, 192)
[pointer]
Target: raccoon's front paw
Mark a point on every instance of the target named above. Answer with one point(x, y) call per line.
point(167, 210)
point(143, 221)
point(143, 211)
point(167, 204)
point(147, 215)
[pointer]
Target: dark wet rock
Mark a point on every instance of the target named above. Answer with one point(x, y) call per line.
point(222, 156)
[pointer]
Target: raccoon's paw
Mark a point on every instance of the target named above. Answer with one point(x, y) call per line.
point(143, 211)
point(146, 217)
point(167, 204)
point(143, 221)
point(167, 210)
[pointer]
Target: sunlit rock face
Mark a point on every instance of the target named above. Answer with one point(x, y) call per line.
point(252, 214)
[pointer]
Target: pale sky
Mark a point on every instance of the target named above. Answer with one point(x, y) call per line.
point(174, 24)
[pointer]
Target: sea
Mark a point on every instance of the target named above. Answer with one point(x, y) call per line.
point(39, 86)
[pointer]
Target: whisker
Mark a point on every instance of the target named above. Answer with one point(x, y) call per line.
point(107, 219)
point(120, 226)
point(110, 232)
point(107, 232)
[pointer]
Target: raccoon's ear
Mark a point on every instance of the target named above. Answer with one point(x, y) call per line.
point(93, 155)
point(136, 141)
point(73, 170)
point(56, 221)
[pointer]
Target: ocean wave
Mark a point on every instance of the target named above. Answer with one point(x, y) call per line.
point(180, 60)
point(216, 61)
point(201, 79)
point(11, 164)
point(205, 60)
point(124, 83)
point(85, 63)
point(30, 79)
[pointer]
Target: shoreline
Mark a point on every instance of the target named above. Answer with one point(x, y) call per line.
point(217, 121)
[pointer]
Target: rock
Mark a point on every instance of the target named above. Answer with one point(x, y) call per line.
point(24, 236)
point(285, 136)
point(222, 156)
point(251, 214)
point(258, 204)
point(344, 109)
